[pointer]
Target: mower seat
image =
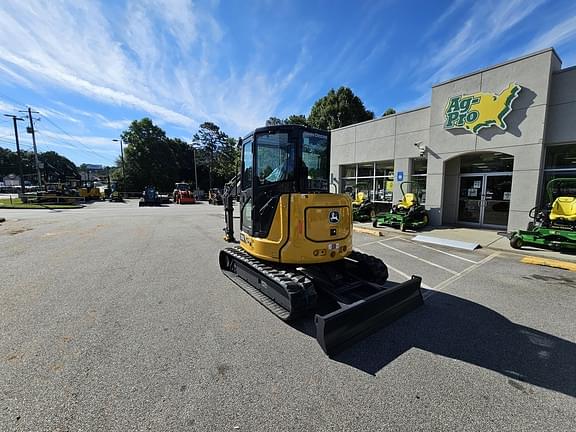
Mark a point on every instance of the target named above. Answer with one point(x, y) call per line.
point(360, 198)
point(564, 208)
point(408, 201)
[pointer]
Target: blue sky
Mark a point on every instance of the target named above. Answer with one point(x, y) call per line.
point(90, 67)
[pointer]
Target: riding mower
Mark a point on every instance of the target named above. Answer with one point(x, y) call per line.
point(554, 226)
point(408, 213)
point(362, 208)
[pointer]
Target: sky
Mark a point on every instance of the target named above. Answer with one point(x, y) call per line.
point(91, 67)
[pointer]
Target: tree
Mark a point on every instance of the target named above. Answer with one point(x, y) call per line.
point(149, 158)
point(337, 109)
point(388, 112)
point(57, 167)
point(211, 140)
point(227, 162)
point(298, 119)
point(274, 121)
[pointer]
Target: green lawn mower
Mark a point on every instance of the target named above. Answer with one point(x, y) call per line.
point(554, 226)
point(409, 213)
point(363, 209)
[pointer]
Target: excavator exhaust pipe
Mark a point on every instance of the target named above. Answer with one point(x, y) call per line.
point(342, 328)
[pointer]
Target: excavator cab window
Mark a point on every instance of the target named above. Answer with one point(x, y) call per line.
point(279, 160)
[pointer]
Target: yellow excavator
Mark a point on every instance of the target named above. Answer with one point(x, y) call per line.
point(295, 254)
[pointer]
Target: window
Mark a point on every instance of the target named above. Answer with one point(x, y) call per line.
point(419, 170)
point(560, 163)
point(275, 158)
point(315, 158)
point(374, 179)
point(561, 157)
point(486, 162)
point(348, 171)
point(385, 168)
point(366, 170)
point(247, 164)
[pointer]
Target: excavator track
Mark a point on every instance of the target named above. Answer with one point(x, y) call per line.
point(353, 294)
point(287, 294)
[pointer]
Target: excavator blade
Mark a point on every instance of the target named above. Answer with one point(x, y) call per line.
point(340, 329)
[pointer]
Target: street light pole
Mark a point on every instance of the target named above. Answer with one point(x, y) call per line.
point(122, 160)
point(195, 168)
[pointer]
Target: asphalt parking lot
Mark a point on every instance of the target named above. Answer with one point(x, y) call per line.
point(117, 318)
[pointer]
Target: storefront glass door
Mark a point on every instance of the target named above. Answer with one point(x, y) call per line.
point(485, 199)
point(470, 199)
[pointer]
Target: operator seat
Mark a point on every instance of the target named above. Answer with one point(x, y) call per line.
point(564, 208)
point(408, 201)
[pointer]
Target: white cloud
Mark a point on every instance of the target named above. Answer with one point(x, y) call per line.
point(477, 34)
point(558, 35)
point(162, 57)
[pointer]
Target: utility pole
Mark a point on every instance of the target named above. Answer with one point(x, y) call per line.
point(31, 130)
point(122, 159)
point(15, 119)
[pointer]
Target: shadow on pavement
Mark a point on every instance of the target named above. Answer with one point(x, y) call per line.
point(463, 330)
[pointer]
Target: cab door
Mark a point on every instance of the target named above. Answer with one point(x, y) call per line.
point(246, 186)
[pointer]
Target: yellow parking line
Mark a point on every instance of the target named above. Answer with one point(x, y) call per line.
point(373, 232)
point(566, 265)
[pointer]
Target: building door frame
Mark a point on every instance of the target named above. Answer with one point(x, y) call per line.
point(482, 201)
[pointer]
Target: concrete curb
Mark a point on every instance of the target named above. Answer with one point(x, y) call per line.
point(374, 232)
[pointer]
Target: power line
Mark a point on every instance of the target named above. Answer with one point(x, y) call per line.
point(76, 140)
point(60, 129)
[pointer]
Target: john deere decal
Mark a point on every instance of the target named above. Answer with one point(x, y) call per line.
point(480, 110)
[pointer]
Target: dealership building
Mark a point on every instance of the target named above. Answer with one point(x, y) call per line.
point(481, 153)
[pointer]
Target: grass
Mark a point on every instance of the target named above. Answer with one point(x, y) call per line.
point(16, 203)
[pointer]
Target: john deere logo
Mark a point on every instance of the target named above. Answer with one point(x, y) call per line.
point(480, 110)
point(334, 217)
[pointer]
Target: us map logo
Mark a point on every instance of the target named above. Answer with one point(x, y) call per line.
point(334, 217)
point(480, 110)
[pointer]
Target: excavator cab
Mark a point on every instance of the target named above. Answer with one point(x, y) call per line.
point(295, 254)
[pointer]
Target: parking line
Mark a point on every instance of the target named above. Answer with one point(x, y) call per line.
point(459, 275)
point(401, 273)
point(441, 251)
point(419, 259)
point(376, 241)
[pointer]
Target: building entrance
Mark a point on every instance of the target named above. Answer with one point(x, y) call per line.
point(484, 199)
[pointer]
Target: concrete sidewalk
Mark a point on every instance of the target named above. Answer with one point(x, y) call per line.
point(488, 239)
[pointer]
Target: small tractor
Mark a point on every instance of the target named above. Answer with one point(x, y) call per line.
point(182, 194)
point(408, 213)
point(554, 226)
point(150, 197)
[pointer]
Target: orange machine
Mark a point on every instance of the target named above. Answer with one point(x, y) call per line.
point(183, 195)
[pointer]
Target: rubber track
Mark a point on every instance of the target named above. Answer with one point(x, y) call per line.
point(374, 268)
point(289, 281)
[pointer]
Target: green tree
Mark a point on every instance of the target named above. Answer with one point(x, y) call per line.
point(56, 167)
point(149, 158)
point(228, 160)
point(274, 121)
point(211, 140)
point(298, 119)
point(337, 109)
point(388, 112)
